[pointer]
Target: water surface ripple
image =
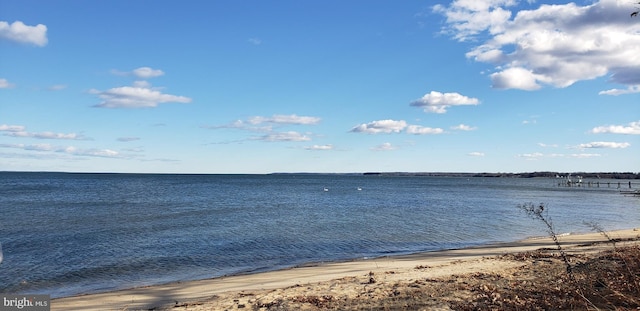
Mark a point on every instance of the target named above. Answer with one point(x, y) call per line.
point(67, 234)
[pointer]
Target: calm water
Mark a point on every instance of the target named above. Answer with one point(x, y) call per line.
point(66, 234)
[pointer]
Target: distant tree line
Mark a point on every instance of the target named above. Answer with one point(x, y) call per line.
point(603, 175)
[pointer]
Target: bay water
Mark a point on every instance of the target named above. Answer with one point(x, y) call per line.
point(68, 234)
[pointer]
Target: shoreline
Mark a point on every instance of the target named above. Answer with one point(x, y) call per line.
point(439, 262)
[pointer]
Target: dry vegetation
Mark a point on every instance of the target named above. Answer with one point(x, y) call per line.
point(538, 280)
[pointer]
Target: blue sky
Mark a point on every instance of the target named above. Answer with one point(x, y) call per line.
point(319, 86)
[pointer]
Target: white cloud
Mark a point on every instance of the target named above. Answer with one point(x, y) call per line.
point(140, 73)
point(241, 125)
point(632, 129)
point(463, 127)
point(543, 145)
point(468, 18)
point(47, 135)
point(394, 126)
point(421, 130)
point(254, 41)
point(105, 153)
point(256, 124)
point(437, 102)
point(604, 144)
point(381, 126)
point(12, 128)
point(555, 45)
point(147, 72)
point(140, 96)
point(20, 131)
point(476, 154)
point(320, 147)
point(584, 155)
point(516, 78)
point(284, 136)
point(266, 124)
point(538, 155)
point(285, 119)
point(19, 32)
point(531, 156)
point(70, 150)
point(384, 147)
point(142, 84)
point(615, 92)
point(4, 84)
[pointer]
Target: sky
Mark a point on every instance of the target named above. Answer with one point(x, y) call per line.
point(319, 86)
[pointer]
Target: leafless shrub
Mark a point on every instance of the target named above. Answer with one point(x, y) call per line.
point(538, 212)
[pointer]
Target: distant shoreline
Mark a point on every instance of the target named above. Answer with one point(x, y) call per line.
point(592, 175)
point(545, 174)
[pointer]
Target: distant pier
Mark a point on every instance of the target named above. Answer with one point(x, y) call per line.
point(579, 182)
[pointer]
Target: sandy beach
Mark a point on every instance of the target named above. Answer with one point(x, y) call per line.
point(447, 278)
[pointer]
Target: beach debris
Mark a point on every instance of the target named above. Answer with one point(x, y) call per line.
point(277, 304)
point(322, 301)
point(372, 280)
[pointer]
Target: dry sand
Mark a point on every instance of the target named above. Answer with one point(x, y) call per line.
point(319, 285)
